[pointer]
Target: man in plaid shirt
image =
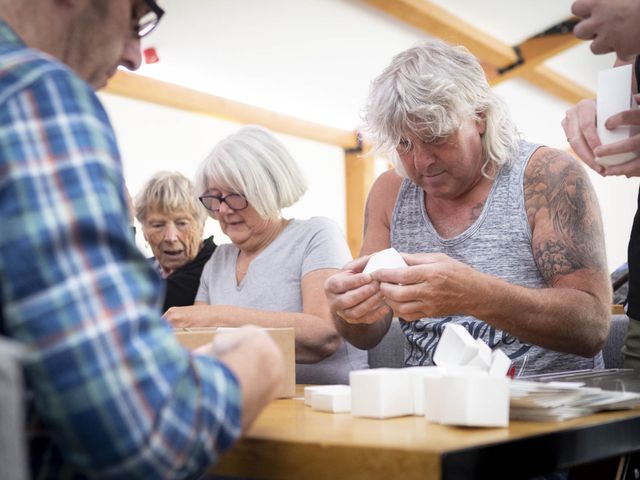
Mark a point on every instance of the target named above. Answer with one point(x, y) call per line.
point(113, 394)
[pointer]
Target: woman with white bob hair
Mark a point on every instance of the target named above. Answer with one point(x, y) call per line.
point(273, 272)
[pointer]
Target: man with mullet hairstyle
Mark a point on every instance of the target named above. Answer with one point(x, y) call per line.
point(501, 236)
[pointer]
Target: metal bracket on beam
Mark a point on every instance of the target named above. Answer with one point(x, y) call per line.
point(561, 28)
point(358, 148)
point(519, 61)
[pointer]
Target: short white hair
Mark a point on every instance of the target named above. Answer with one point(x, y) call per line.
point(169, 192)
point(427, 92)
point(256, 164)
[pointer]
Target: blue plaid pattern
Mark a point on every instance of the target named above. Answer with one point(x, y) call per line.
point(114, 395)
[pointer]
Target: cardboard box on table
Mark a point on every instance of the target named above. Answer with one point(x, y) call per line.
point(284, 337)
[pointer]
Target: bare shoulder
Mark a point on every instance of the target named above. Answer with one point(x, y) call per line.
point(379, 209)
point(562, 209)
point(384, 191)
point(388, 181)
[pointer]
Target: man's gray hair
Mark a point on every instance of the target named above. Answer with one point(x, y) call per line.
point(169, 192)
point(427, 92)
point(254, 163)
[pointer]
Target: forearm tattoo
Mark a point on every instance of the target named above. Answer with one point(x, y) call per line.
point(558, 190)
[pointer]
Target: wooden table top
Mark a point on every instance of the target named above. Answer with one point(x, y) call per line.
point(290, 440)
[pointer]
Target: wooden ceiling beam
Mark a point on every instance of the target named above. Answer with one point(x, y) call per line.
point(494, 55)
point(170, 95)
point(557, 84)
point(536, 51)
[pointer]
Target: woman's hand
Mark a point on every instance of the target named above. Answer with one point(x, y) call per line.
point(194, 316)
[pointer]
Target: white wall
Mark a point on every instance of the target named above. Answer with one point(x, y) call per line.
point(156, 138)
point(153, 138)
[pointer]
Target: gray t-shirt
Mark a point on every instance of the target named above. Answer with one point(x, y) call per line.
point(273, 283)
point(498, 244)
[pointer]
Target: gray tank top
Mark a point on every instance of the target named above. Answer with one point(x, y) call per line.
point(499, 244)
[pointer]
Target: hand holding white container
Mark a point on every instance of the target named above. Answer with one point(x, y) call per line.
point(614, 96)
point(389, 258)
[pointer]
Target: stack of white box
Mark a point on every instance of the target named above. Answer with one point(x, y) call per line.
point(328, 398)
point(473, 389)
point(468, 386)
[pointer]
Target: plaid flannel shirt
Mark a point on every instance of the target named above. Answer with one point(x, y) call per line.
point(114, 393)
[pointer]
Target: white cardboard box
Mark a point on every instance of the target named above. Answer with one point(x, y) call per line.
point(381, 393)
point(331, 398)
point(456, 347)
point(417, 376)
point(432, 397)
point(483, 357)
point(500, 364)
point(473, 400)
point(311, 389)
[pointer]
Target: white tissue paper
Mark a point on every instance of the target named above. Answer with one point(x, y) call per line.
point(389, 258)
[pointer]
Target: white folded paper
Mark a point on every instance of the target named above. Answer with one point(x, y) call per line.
point(557, 401)
point(455, 347)
point(389, 258)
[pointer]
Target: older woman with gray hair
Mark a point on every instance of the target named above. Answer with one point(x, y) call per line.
point(172, 222)
point(272, 274)
point(501, 236)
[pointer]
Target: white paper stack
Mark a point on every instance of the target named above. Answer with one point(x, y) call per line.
point(557, 401)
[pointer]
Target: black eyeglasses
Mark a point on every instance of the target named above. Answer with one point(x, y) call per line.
point(234, 201)
point(149, 21)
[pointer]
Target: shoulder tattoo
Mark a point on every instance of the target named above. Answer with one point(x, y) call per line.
point(557, 190)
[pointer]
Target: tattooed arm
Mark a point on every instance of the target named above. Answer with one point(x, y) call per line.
point(572, 315)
